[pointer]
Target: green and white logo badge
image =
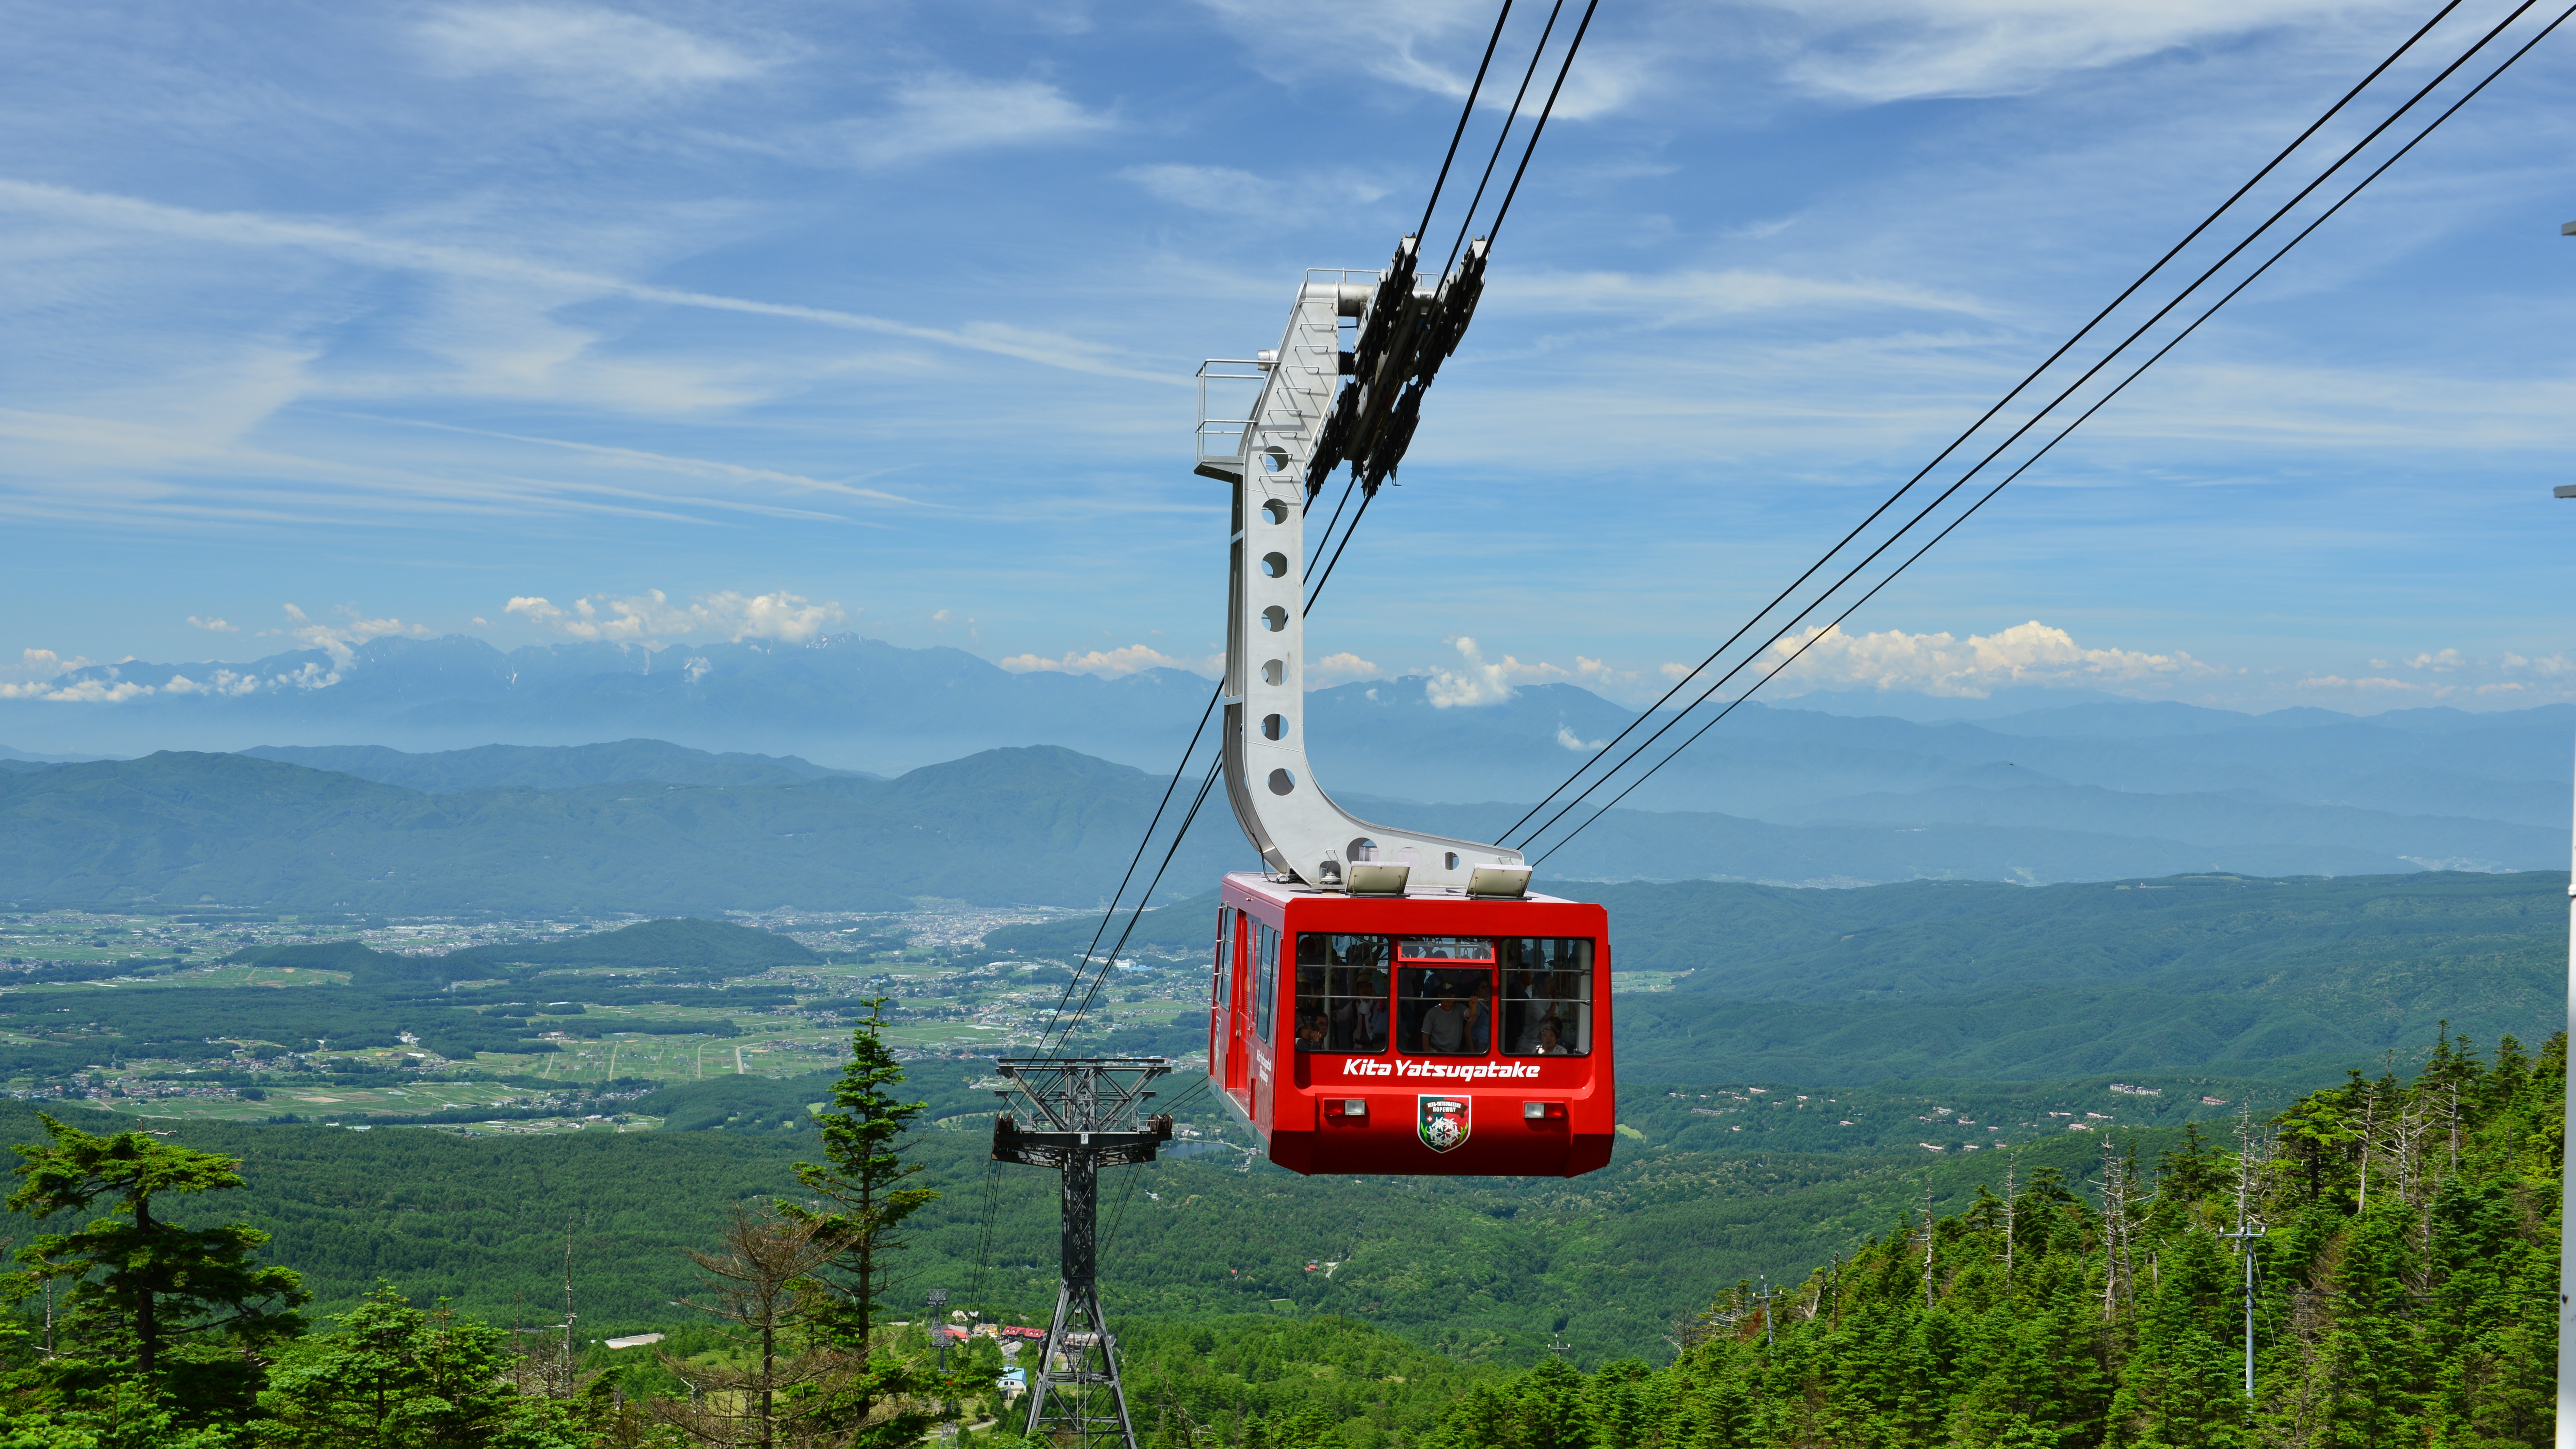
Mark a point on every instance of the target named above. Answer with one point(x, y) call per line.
point(1444, 1122)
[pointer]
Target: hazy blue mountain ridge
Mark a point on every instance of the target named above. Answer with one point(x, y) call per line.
point(549, 767)
point(2089, 789)
point(1039, 825)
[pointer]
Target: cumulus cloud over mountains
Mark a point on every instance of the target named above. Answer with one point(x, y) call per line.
point(650, 617)
point(1942, 664)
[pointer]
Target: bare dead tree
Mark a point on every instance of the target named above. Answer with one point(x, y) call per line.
point(760, 1287)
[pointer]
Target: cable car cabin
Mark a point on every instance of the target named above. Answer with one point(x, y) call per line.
point(1412, 1034)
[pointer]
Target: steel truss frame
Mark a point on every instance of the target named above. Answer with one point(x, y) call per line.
point(1085, 1113)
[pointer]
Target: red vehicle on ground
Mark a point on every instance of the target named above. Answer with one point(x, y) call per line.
point(1414, 1034)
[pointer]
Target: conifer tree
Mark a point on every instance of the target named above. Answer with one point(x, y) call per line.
point(139, 1283)
point(863, 1182)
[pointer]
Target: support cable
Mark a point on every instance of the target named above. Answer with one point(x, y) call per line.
point(1464, 112)
point(1327, 577)
point(2062, 434)
point(1545, 111)
point(1990, 413)
point(1215, 767)
point(1509, 117)
point(2035, 420)
point(1111, 913)
point(1473, 202)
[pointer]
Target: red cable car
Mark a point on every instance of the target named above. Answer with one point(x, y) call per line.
point(1384, 1000)
point(1410, 1035)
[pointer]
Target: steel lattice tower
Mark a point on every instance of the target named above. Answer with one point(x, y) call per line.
point(1084, 1115)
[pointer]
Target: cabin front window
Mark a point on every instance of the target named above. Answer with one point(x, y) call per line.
point(1461, 996)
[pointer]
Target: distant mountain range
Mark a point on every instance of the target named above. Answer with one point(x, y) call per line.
point(2096, 789)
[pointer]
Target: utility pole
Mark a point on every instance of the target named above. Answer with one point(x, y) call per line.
point(2567, 1180)
point(1085, 1114)
point(2245, 1235)
point(568, 1313)
point(2245, 1246)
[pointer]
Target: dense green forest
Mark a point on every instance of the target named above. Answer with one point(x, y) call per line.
point(2075, 1292)
point(2405, 1283)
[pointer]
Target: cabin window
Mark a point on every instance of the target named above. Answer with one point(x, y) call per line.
point(1445, 1011)
point(1447, 948)
point(1547, 996)
point(1341, 993)
point(1265, 971)
point(1224, 989)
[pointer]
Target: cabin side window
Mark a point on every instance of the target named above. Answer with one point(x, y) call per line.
point(1341, 993)
point(1265, 970)
point(1224, 988)
point(1547, 996)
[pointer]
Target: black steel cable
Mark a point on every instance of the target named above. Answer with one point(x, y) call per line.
point(1326, 536)
point(2038, 417)
point(1145, 897)
point(1464, 112)
point(2062, 434)
point(1473, 202)
point(1365, 501)
point(1509, 117)
point(992, 1206)
point(2033, 376)
point(1111, 913)
point(1540, 129)
point(1118, 1214)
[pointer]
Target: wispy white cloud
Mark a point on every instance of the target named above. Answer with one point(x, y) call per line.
point(1694, 295)
point(1877, 51)
point(580, 49)
point(1230, 191)
point(214, 626)
point(1944, 665)
point(569, 284)
point(1109, 663)
point(650, 617)
point(1434, 46)
point(2450, 675)
point(942, 112)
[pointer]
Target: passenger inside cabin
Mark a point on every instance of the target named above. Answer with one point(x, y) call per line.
point(1444, 1026)
point(1368, 1019)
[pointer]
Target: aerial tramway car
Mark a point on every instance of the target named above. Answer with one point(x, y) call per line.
point(1384, 1001)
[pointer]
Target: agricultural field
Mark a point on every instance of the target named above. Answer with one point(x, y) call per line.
point(249, 1017)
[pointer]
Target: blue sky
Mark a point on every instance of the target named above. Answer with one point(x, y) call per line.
point(674, 322)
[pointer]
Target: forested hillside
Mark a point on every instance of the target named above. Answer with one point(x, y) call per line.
point(2405, 1278)
point(2076, 1292)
